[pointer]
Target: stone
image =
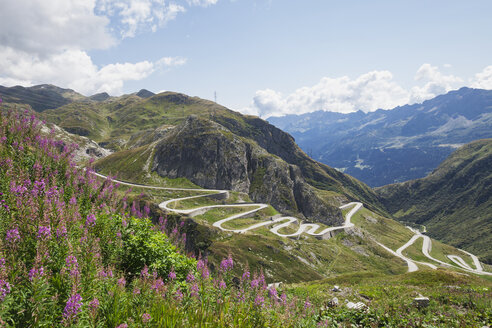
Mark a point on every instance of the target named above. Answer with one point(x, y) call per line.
point(356, 306)
point(421, 302)
point(336, 288)
point(333, 302)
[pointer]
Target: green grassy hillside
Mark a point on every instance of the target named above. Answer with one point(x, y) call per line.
point(454, 202)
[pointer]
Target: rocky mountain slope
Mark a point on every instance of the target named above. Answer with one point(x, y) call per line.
point(454, 202)
point(213, 147)
point(388, 146)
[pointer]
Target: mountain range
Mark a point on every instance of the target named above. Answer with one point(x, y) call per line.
point(166, 137)
point(390, 146)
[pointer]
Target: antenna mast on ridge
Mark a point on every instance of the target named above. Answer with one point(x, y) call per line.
point(215, 96)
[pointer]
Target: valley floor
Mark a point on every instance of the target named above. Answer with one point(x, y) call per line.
point(280, 222)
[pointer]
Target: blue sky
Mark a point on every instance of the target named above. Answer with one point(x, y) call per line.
point(263, 57)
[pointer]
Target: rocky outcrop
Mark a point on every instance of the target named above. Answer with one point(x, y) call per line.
point(211, 156)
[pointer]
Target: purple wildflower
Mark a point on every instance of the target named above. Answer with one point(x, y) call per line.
point(4, 289)
point(205, 273)
point(122, 282)
point(178, 295)
point(44, 232)
point(259, 300)
point(246, 275)
point(272, 293)
point(194, 290)
point(145, 272)
point(190, 277)
point(123, 325)
point(226, 264)
point(73, 307)
point(61, 232)
point(172, 275)
point(307, 304)
point(12, 235)
point(158, 284)
point(222, 284)
point(90, 221)
point(72, 265)
point(93, 306)
point(254, 283)
point(146, 317)
point(200, 265)
point(35, 273)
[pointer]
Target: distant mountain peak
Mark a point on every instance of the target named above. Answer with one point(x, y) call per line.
point(100, 96)
point(145, 93)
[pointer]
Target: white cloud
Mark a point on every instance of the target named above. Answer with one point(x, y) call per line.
point(436, 83)
point(46, 41)
point(20, 68)
point(203, 3)
point(132, 16)
point(368, 92)
point(45, 27)
point(483, 80)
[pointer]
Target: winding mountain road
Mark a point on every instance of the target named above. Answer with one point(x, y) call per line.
point(307, 228)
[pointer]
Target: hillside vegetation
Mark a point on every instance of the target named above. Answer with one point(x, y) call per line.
point(177, 136)
point(74, 254)
point(454, 202)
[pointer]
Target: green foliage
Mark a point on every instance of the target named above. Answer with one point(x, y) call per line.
point(143, 246)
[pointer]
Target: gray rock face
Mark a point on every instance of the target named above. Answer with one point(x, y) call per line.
point(211, 156)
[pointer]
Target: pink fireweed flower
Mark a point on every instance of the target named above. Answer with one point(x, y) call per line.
point(172, 275)
point(272, 293)
point(205, 273)
point(93, 306)
point(122, 282)
point(178, 295)
point(4, 289)
point(158, 285)
point(44, 232)
point(61, 232)
point(226, 264)
point(146, 317)
point(259, 300)
point(72, 265)
point(145, 272)
point(246, 275)
point(283, 297)
point(194, 290)
point(90, 221)
point(12, 235)
point(136, 291)
point(307, 304)
point(72, 307)
point(190, 277)
point(222, 284)
point(200, 265)
point(254, 283)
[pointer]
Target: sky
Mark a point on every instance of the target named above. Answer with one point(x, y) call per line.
point(261, 57)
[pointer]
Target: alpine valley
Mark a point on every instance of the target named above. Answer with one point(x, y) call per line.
point(234, 188)
point(389, 146)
